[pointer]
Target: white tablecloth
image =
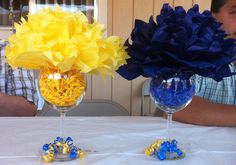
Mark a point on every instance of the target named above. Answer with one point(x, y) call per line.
point(114, 140)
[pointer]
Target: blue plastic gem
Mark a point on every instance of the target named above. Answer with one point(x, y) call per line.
point(174, 141)
point(161, 155)
point(73, 155)
point(164, 146)
point(179, 152)
point(69, 139)
point(173, 148)
point(45, 147)
point(74, 148)
point(55, 150)
point(167, 144)
point(60, 139)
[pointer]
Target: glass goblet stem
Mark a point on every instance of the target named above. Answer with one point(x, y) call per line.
point(169, 126)
point(62, 122)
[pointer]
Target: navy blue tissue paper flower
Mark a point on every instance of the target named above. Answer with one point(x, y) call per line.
point(179, 43)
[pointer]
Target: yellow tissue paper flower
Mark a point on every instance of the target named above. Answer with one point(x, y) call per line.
point(66, 41)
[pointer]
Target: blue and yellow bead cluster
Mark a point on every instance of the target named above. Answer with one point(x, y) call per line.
point(62, 147)
point(165, 150)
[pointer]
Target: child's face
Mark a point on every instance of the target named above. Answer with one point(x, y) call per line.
point(227, 16)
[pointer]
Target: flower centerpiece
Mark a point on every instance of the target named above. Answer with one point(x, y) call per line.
point(63, 46)
point(53, 38)
point(171, 50)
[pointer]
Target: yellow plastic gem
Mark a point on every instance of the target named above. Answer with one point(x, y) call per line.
point(81, 154)
point(57, 145)
point(47, 158)
point(150, 150)
point(147, 151)
point(65, 148)
point(157, 144)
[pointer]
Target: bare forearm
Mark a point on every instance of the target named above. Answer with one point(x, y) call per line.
point(203, 112)
point(16, 106)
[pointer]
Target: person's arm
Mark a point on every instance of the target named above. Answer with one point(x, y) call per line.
point(18, 96)
point(16, 106)
point(204, 112)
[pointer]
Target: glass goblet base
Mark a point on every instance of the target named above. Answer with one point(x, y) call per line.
point(60, 157)
point(165, 150)
point(61, 150)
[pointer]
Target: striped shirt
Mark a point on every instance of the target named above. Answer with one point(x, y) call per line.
point(223, 92)
point(16, 82)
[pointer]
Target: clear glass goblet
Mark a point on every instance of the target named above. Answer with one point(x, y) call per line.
point(170, 96)
point(63, 91)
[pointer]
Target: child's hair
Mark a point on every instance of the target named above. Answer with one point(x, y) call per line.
point(216, 5)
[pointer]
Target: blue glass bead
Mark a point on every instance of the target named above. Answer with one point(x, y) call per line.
point(45, 147)
point(73, 155)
